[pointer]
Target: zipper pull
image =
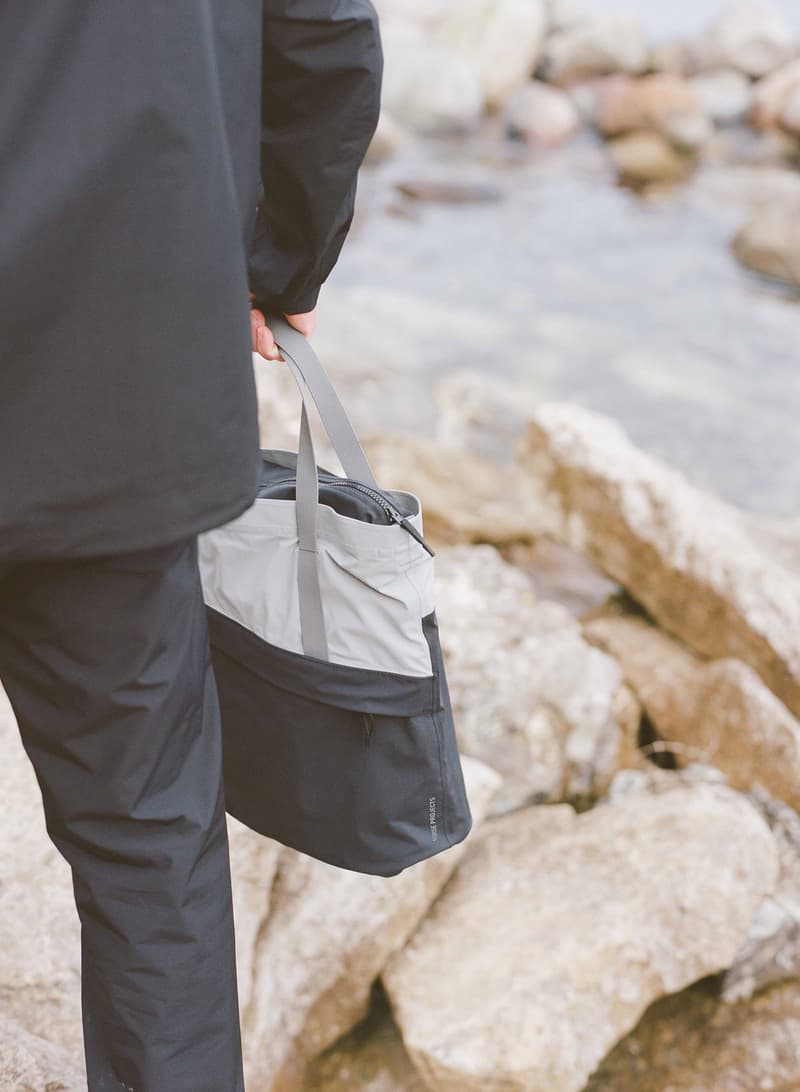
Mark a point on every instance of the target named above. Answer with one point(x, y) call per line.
point(407, 525)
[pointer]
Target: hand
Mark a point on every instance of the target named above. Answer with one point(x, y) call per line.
point(264, 342)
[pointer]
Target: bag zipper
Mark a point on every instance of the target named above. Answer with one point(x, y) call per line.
point(394, 513)
point(387, 506)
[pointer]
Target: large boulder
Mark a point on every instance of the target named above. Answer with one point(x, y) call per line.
point(769, 241)
point(751, 36)
point(719, 712)
point(30, 1064)
point(700, 568)
point(326, 937)
point(501, 38)
point(693, 1043)
point(591, 919)
point(530, 696)
point(596, 47)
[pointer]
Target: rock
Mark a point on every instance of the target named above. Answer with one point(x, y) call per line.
point(596, 47)
point(541, 115)
point(40, 977)
point(562, 576)
point(484, 414)
point(254, 862)
point(769, 243)
point(448, 191)
point(771, 952)
point(483, 502)
point(790, 114)
point(370, 1058)
point(702, 569)
point(530, 697)
point(592, 918)
point(388, 139)
point(693, 1043)
point(771, 95)
point(501, 38)
point(625, 104)
point(675, 56)
point(719, 712)
point(426, 85)
point(725, 96)
point(751, 36)
point(327, 936)
point(647, 157)
point(29, 1064)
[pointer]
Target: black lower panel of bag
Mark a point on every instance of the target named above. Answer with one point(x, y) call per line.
point(355, 767)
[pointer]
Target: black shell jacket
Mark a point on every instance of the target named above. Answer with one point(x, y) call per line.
point(157, 161)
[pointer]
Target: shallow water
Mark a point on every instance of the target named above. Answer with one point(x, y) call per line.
point(586, 294)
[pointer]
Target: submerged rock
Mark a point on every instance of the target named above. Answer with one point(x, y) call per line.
point(646, 157)
point(591, 919)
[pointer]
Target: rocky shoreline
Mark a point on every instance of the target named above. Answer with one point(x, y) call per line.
point(629, 901)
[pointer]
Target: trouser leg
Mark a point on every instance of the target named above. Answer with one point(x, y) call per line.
point(106, 662)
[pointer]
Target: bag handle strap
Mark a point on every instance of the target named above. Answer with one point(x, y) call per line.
point(311, 378)
point(296, 349)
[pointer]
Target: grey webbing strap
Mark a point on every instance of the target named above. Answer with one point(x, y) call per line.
point(310, 376)
point(295, 346)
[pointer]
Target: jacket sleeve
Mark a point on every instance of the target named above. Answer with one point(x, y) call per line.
point(321, 81)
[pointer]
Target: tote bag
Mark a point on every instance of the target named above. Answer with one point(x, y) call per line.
point(338, 733)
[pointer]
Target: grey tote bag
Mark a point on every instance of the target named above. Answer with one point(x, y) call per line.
point(338, 734)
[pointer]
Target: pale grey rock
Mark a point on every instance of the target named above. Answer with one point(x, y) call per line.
point(592, 918)
point(30, 1064)
point(610, 43)
point(328, 934)
point(483, 414)
point(541, 115)
point(717, 712)
point(428, 86)
point(725, 95)
point(530, 697)
point(751, 36)
point(388, 140)
point(769, 242)
point(699, 566)
point(502, 39)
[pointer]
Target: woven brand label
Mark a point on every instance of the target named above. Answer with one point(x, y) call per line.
point(432, 818)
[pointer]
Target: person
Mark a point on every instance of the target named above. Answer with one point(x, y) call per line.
point(170, 173)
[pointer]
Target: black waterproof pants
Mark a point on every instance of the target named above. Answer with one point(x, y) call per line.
point(106, 662)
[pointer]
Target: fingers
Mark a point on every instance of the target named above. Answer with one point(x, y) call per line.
point(306, 323)
point(261, 335)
